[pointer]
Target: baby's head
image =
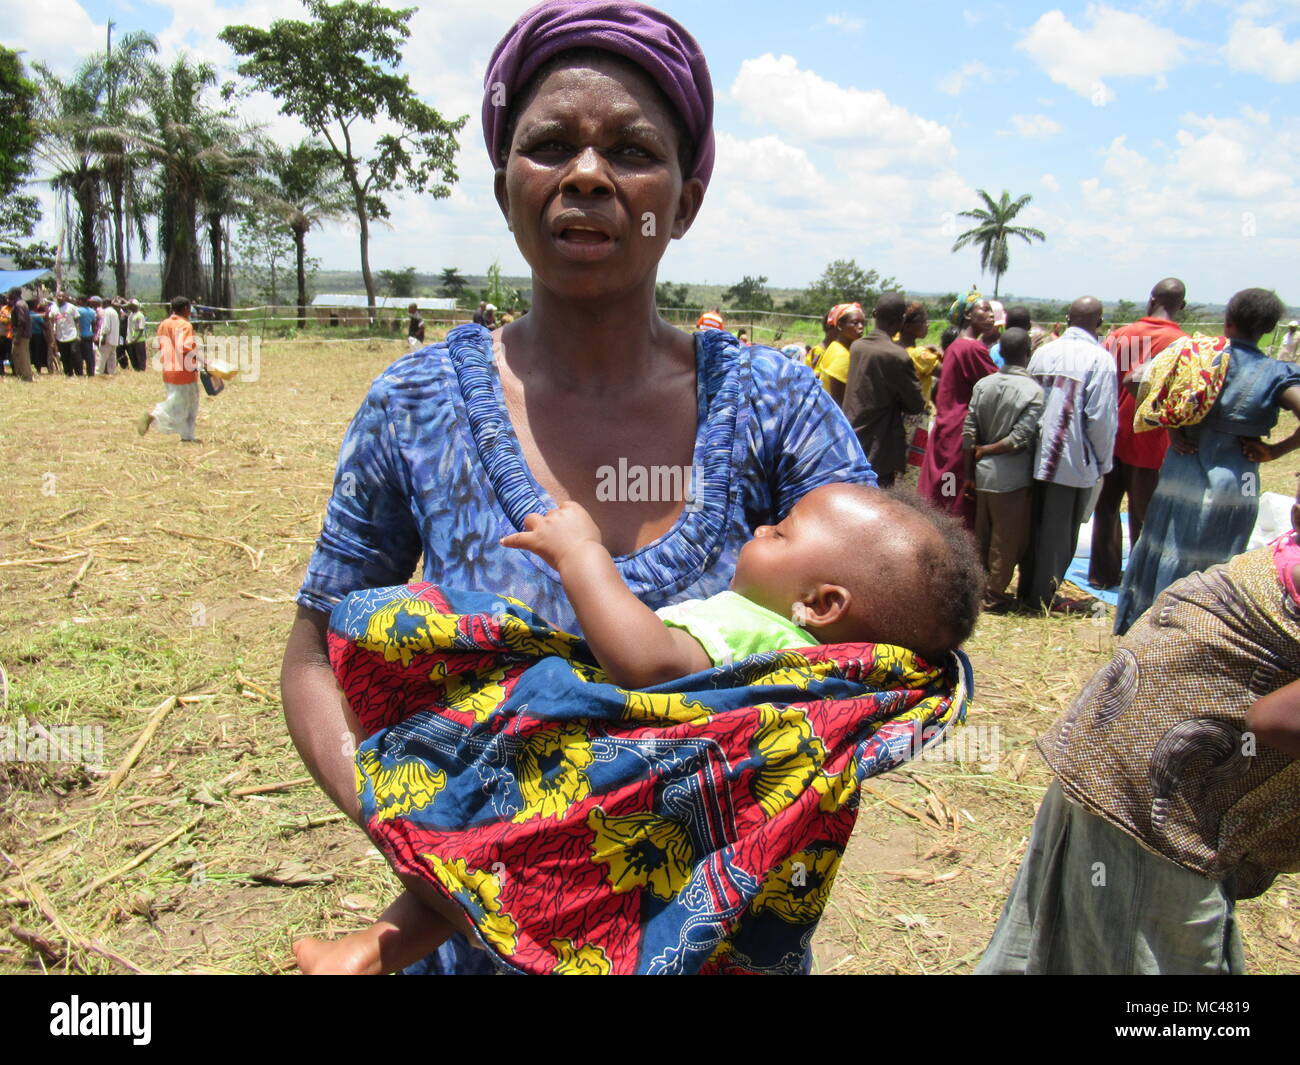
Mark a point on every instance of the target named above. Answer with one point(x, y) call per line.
point(867, 566)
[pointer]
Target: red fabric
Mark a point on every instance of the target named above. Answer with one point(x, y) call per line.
point(1132, 345)
point(964, 363)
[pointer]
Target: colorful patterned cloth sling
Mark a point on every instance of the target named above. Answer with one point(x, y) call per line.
point(693, 827)
point(1183, 383)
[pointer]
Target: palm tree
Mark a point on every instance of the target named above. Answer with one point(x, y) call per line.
point(305, 187)
point(66, 115)
point(202, 161)
point(991, 234)
point(119, 78)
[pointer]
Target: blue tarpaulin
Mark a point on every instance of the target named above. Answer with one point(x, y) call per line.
point(19, 278)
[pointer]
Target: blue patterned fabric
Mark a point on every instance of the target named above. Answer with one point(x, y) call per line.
point(431, 463)
point(1206, 504)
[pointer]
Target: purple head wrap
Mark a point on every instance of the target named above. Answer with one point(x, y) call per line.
point(649, 38)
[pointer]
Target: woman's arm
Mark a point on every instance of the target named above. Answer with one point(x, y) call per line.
point(1258, 450)
point(836, 391)
point(322, 725)
point(1275, 719)
point(633, 646)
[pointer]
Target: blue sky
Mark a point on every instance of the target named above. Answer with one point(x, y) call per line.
point(1155, 138)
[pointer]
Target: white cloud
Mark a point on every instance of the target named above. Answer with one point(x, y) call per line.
point(1048, 181)
point(1116, 44)
point(776, 91)
point(955, 82)
point(32, 33)
point(1035, 126)
point(1263, 50)
point(848, 23)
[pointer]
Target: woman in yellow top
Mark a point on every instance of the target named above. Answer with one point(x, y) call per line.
point(916, 325)
point(847, 322)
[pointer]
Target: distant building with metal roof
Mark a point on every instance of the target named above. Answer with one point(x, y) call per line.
point(392, 303)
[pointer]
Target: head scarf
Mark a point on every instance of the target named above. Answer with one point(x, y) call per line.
point(710, 320)
point(837, 312)
point(649, 38)
point(957, 313)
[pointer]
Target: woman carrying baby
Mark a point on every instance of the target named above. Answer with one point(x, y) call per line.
point(598, 117)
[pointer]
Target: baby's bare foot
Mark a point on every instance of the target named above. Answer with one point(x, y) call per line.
point(353, 955)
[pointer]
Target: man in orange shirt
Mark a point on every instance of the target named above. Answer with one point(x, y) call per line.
point(1138, 456)
point(181, 361)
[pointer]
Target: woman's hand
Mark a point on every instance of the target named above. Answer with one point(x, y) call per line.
point(1182, 443)
point(1256, 450)
point(553, 535)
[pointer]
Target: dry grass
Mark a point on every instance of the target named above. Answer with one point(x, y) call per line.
point(108, 615)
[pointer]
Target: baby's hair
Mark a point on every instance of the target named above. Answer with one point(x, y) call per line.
point(952, 573)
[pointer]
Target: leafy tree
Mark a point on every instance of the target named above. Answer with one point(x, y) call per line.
point(452, 284)
point(399, 283)
point(336, 74)
point(303, 188)
point(1125, 311)
point(993, 230)
point(669, 295)
point(495, 291)
point(843, 281)
point(18, 135)
point(750, 294)
point(266, 251)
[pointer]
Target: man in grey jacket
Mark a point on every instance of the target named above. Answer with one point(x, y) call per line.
point(1076, 445)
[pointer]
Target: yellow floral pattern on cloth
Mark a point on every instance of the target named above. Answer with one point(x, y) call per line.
point(479, 894)
point(523, 638)
point(783, 668)
point(550, 768)
point(478, 692)
point(398, 789)
point(587, 960)
point(642, 850)
point(791, 755)
point(797, 890)
point(663, 708)
point(836, 789)
point(897, 667)
point(407, 628)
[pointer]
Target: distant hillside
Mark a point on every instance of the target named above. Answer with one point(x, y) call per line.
point(145, 284)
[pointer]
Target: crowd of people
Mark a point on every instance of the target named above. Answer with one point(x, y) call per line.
point(85, 335)
point(1031, 431)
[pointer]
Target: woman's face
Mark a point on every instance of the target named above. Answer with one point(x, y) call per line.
point(592, 187)
point(852, 325)
point(915, 328)
point(980, 318)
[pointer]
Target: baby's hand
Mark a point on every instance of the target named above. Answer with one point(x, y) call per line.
point(552, 535)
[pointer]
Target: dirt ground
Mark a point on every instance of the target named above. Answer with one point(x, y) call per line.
point(135, 570)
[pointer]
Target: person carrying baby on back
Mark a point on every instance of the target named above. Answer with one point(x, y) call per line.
point(848, 564)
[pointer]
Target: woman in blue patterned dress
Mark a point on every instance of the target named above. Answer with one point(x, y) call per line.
point(1208, 499)
point(598, 117)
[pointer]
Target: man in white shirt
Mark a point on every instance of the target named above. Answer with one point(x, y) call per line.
point(1290, 342)
point(109, 332)
point(63, 320)
point(1076, 446)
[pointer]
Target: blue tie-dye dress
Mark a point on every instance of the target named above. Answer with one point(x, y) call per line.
point(1206, 504)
